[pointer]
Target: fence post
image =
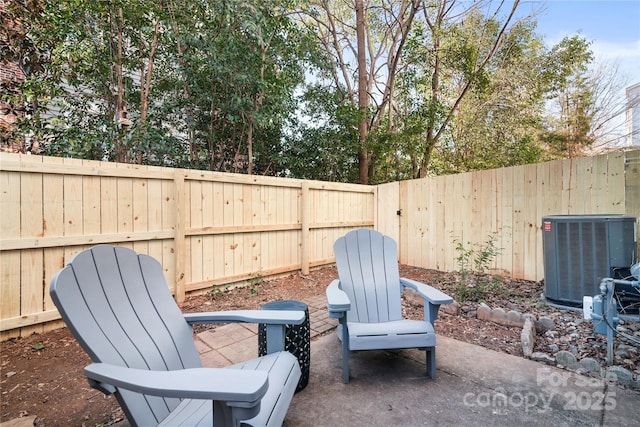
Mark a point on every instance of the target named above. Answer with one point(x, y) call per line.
point(305, 209)
point(179, 238)
point(632, 187)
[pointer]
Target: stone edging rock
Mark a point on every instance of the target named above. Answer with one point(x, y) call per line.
point(562, 359)
point(513, 318)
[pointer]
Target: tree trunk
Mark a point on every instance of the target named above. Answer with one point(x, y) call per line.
point(363, 96)
point(250, 146)
point(145, 82)
point(256, 108)
point(185, 88)
point(120, 151)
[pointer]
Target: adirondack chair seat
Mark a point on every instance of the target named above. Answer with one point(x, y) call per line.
point(389, 335)
point(276, 390)
point(261, 389)
point(118, 306)
point(259, 394)
point(366, 299)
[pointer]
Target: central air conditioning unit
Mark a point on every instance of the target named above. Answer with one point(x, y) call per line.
point(581, 250)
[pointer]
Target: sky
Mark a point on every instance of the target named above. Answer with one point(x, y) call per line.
point(613, 27)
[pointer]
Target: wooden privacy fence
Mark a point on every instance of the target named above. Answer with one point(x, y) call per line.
point(469, 208)
point(213, 229)
point(205, 228)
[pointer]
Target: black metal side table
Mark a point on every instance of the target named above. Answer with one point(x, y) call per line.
point(297, 340)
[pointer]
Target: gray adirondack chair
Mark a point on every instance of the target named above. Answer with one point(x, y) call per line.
point(366, 298)
point(119, 308)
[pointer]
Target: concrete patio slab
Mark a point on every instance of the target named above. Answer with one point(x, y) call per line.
point(475, 387)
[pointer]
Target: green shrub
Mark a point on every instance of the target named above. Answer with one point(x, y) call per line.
point(474, 259)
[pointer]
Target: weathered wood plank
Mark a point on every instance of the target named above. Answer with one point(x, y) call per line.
point(140, 211)
point(413, 247)
point(179, 242)
point(530, 230)
point(154, 219)
point(543, 208)
point(616, 184)
point(31, 261)
point(519, 222)
point(598, 197)
point(506, 224)
point(450, 219)
point(53, 225)
point(584, 180)
point(10, 261)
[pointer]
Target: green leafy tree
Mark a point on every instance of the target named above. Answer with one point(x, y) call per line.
point(238, 69)
point(98, 65)
point(323, 142)
point(363, 44)
point(455, 58)
point(497, 124)
point(26, 42)
point(569, 124)
point(193, 84)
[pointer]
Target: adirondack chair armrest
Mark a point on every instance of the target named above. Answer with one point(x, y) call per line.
point(337, 300)
point(274, 320)
point(271, 317)
point(432, 297)
point(240, 388)
point(430, 294)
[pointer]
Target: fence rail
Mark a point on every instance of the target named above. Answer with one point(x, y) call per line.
point(213, 229)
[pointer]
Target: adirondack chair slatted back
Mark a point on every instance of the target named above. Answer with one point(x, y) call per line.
point(367, 264)
point(119, 308)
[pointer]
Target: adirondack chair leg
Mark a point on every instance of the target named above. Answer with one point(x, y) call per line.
point(221, 414)
point(345, 363)
point(431, 362)
point(226, 415)
point(345, 350)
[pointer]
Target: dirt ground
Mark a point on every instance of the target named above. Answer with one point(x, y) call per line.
point(41, 374)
